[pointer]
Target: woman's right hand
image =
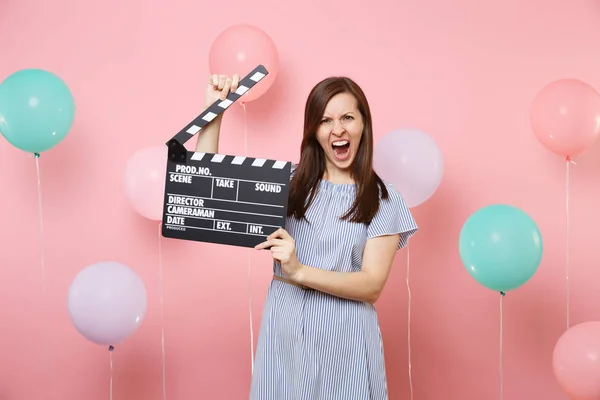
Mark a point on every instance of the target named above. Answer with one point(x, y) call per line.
point(219, 87)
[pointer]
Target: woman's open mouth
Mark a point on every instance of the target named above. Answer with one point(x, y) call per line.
point(341, 149)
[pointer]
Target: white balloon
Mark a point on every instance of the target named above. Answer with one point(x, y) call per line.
point(412, 162)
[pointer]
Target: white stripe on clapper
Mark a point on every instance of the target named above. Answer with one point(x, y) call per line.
point(225, 103)
point(257, 76)
point(192, 130)
point(241, 90)
point(279, 164)
point(217, 158)
point(209, 116)
point(238, 160)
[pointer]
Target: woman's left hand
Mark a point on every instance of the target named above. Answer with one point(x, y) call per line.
point(283, 249)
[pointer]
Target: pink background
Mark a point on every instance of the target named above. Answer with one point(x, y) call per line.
point(463, 71)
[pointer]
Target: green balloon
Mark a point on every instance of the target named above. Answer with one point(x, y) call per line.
point(37, 110)
point(501, 247)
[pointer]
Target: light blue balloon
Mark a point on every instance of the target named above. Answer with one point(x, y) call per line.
point(501, 247)
point(37, 110)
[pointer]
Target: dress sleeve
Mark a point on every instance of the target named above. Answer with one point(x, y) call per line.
point(293, 171)
point(393, 217)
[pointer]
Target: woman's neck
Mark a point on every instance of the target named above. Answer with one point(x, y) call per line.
point(337, 176)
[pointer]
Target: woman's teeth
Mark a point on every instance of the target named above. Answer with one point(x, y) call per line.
point(340, 143)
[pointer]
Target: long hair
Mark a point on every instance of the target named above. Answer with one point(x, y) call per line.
point(311, 167)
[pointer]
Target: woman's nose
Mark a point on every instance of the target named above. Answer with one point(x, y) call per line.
point(337, 128)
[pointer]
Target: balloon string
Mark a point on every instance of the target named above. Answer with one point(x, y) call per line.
point(408, 322)
point(568, 244)
point(250, 308)
point(249, 264)
point(501, 349)
point(43, 268)
point(110, 358)
point(245, 131)
point(162, 315)
point(39, 190)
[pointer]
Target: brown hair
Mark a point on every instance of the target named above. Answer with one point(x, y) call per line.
point(311, 166)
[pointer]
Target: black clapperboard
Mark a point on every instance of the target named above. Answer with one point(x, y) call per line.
point(224, 199)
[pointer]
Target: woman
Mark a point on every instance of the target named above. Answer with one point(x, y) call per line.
point(320, 338)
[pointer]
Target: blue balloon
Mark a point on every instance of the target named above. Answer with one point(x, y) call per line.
point(501, 247)
point(37, 110)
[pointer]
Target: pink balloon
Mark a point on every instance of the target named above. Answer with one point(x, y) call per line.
point(576, 361)
point(241, 48)
point(412, 162)
point(565, 116)
point(144, 181)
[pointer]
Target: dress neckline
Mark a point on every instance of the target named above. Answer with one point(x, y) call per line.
point(337, 187)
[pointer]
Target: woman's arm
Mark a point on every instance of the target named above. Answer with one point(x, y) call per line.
point(365, 285)
point(208, 137)
point(219, 87)
point(387, 232)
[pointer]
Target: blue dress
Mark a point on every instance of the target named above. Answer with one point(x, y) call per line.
point(315, 346)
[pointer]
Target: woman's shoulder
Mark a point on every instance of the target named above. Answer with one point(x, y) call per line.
point(394, 201)
point(393, 194)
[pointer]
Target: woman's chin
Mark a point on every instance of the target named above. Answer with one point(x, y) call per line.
point(343, 163)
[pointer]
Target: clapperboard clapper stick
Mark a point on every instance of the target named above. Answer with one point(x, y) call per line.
point(224, 199)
